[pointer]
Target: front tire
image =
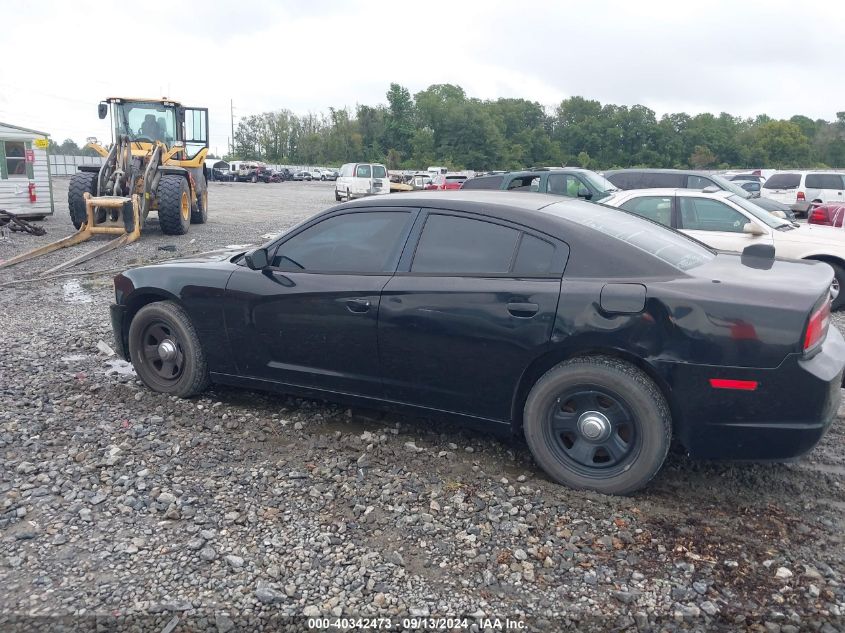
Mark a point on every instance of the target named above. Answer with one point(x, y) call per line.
point(81, 182)
point(166, 351)
point(337, 196)
point(174, 204)
point(839, 284)
point(598, 423)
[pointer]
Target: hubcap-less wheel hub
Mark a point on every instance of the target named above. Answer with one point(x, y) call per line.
point(594, 426)
point(167, 350)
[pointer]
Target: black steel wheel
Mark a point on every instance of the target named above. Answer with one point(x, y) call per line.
point(165, 350)
point(598, 423)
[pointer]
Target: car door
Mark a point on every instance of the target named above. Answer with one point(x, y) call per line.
point(566, 185)
point(472, 304)
point(717, 224)
point(363, 180)
point(310, 318)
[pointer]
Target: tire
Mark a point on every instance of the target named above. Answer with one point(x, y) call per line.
point(199, 214)
point(323, 178)
point(81, 182)
point(254, 179)
point(337, 196)
point(174, 204)
point(348, 195)
point(186, 374)
point(611, 400)
point(839, 283)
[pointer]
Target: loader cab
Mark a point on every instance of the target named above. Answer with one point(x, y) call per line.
point(168, 122)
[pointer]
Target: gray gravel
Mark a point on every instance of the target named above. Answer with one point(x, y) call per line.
point(235, 508)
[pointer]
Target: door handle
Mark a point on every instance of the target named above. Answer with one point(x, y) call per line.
point(358, 305)
point(524, 310)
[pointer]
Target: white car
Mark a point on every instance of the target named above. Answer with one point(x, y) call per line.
point(727, 222)
point(361, 179)
point(800, 189)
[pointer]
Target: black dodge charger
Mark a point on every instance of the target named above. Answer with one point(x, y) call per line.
point(598, 334)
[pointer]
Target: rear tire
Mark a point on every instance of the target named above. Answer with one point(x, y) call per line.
point(586, 404)
point(839, 280)
point(337, 196)
point(200, 214)
point(348, 195)
point(174, 204)
point(81, 182)
point(166, 326)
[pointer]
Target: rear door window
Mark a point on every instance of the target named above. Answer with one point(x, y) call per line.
point(824, 181)
point(660, 180)
point(379, 171)
point(705, 214)
point(783, 181)
point(457, 245)
point(363, 171)
point(655, 208)
point(522, 183)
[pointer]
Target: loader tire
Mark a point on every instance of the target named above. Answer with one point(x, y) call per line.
point(174, 204)
point(199, 212)
point(80, 183)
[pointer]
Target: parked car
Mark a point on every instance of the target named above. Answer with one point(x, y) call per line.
point(729, 222)
point(802, 189)
point(688, 179)
point(222, 175)
point(302, 175)
point(751, 186)
point(317, 174)
point(746, 177)
point(420, 181)
point(569, 181)
point(830, 214)
point(280, 175)
point(361, 179)
point(449, 304)
point(328, 174)
point(445, 182)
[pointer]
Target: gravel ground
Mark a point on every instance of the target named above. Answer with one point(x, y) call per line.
point(237, 510)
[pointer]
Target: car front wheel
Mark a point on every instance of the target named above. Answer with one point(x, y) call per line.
point(598, 423)
point(165, 350)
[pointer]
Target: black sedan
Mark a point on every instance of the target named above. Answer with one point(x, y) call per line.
point(597, 334)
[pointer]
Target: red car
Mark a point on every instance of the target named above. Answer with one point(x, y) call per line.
point(446, 183)
point(830, 214)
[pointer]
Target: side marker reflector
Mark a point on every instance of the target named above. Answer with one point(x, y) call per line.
point(726, 383)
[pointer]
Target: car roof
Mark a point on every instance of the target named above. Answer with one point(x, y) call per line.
point(637, 170)
point(670, 191)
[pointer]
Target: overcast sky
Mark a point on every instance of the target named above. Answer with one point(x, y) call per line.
point(744, 58)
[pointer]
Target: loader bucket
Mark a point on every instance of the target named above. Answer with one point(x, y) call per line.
point(122, 218)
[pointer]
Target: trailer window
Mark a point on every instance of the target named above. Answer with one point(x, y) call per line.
point(15, 159)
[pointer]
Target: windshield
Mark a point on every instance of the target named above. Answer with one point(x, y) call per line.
point(761, 214)
point(673, 247)
point(727, 185)
point(146, 122)
point(599, 182)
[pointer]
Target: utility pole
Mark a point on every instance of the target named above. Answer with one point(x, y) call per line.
point(232, 118)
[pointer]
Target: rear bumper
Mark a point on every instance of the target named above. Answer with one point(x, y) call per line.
point(786, 416)
point(118, 318)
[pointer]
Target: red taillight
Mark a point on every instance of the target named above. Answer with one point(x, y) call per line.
point(817, 326)
point(800, 197)
point(726, 383)
point(820, 215)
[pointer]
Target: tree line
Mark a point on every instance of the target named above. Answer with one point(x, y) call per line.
point(442, 125)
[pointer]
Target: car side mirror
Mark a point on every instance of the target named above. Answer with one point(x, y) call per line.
point(752, 229)
point(585, 193)
point(102, 109)
point(257, 259)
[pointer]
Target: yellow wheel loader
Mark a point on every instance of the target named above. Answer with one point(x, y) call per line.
point(156, 163)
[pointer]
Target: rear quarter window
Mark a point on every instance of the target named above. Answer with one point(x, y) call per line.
point(484, 182)
point(824, 181)
point(783, 181)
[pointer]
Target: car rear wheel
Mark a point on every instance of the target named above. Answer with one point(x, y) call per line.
point(837, 298)
point(166, 351)
point(598, 423)
point(337, 196)
point(348, 195)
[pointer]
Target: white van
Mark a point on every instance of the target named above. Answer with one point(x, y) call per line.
point(361, 179)
point(800, 189)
